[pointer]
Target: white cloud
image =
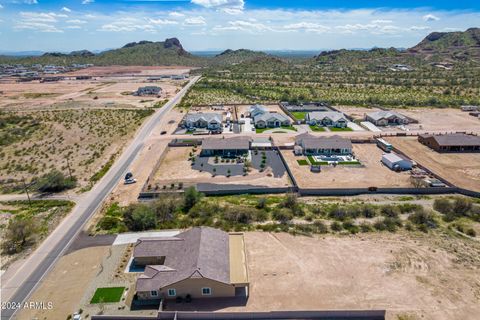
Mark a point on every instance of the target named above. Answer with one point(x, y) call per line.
point(219, 4)
point(73, 27)
point(381, 21)
point(161, 21)
point(76, 21)
point(1, 7)
point(176, 14)
point(307, 26)
point(65, 9)
point(430, 17)
point(41, 16)
point(36, 26)
point(88, 1)
point(30, 1)
point(195, 21)
point(127, 25)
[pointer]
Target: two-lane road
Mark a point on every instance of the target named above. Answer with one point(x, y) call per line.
point(19, 286)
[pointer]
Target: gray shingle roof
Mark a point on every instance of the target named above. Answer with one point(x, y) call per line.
point(377, 115)
point(312, 142)
point(198, 252)
point(332, 115)
point(235, 143)
point(269, 116)
point(194, 117)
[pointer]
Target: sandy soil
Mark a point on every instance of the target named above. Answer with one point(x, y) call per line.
point(461, 169)
point(176, 168)
point(125, 70)
point(442, 120)
point(65, 285)
point(356, 112)
point(243, 109)
point(419, 276)
point(372, 174)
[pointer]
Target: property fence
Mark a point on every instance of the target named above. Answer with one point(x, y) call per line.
point(269, 315)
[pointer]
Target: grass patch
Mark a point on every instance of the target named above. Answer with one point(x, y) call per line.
point(107, 295)
point(349, 162)
point(103, 170)
point(302, 162)
point(299, 115)
point(340, 129)
point(317, 129)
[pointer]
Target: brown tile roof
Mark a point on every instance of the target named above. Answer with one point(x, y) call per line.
point(454, 139)
point(198, 252)
point(236, 143)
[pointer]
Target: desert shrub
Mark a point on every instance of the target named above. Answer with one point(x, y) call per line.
point(204, 210)
point(350, 226)
point(291, 202)
point(471, 232)
point(336, 226)
point(369, 211)
point(338, 212)
point(166, 207)
point(423, 219)
point(138, 217)
point(366, 227)
point(388, 224)
point(54, 181)
point(19, 234)
point(242, 214)
point(283, 215)
point(390, 211)
point(320, 226)
point(443, 205)
point(261, 203)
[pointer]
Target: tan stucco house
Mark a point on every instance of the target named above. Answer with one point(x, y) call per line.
point(202, 262)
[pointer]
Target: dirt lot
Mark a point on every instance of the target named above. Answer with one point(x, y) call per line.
point(66, 284)
point(420, 276)
point(442, 120)
point(372, 174)
point(461, 169)
point(356, 112)
point(176, 168)
point(126, 70)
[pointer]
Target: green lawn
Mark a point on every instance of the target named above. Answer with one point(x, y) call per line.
point(341, 129)
point(261, 130)
point(106, 295)
point(318, 129)
point(299, 115)
point(302, 162)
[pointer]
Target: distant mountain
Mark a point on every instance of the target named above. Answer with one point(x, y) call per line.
point(233, 57)
point(168, 52)
point(450, 46)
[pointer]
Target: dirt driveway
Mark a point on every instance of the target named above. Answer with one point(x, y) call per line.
point(404, 274)
point(461, 169)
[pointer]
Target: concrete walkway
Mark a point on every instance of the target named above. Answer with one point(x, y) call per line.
point(125, 238)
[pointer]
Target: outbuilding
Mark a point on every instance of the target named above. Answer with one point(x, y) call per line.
point(396, 163)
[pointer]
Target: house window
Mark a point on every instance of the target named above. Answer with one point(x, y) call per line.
point(172, 292)
point(206, 291)
point(154, 293)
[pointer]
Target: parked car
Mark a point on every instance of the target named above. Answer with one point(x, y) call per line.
point(163, 132)
point(130, 181)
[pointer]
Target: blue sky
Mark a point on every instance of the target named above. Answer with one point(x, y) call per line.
point(48, 25)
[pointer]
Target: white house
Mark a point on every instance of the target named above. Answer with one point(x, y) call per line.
point(211, 121)
point(327, 118)
point(271, 120)
point(384, 118)
point(395, 162)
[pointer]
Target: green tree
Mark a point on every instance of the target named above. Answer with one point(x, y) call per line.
point(190, 197)
point(138, 217)
point(54, 181)
point(20, 234)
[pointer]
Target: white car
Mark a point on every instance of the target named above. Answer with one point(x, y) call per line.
point(130, 181)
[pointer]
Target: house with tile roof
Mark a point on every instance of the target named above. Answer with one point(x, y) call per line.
point(386, 117)
point(327, 119)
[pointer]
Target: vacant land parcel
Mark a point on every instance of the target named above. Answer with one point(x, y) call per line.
point(461, 169)
point(371, 172)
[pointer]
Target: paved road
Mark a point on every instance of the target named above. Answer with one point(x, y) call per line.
point(19, 286)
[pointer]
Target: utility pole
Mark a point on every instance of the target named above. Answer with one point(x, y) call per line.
point(26, 191)
point(69, 170)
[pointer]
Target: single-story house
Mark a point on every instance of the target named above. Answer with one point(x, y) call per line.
point(271, 120)
point(327, 118)
point(454, 142)
point(385, 118)
point(202, 262)
point(230, 147)
point(313, 145)
point(148, 91)
point(256, 110)
point(396, 162)
point(211, 121)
